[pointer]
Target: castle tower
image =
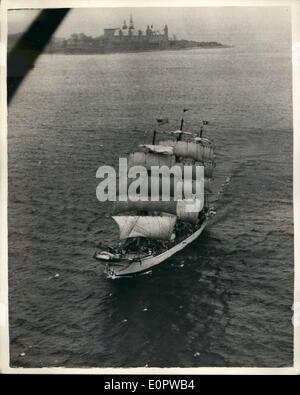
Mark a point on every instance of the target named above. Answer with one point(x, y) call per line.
point(148, 31)
point(124, 27)
point(131, 22)
point(131, 27)
point(166, 30)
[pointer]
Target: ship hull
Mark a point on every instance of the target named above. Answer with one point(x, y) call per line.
point(123, 269)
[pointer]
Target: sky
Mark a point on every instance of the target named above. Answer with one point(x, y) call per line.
point(228, 25)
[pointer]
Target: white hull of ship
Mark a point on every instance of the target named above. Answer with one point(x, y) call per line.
point(123, 268)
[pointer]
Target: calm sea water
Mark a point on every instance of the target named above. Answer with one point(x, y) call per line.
point(225, 300)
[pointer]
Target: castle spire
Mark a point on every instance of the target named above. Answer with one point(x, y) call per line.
point(166, 31)
point(131, 22)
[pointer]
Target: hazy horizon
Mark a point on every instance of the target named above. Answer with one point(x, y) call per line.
point(259, 26)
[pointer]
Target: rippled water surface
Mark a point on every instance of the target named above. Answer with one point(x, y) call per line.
point(226, 299)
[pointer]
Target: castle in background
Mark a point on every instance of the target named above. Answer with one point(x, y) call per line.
point(129, 33)
point(124, 39)
point(121, 39)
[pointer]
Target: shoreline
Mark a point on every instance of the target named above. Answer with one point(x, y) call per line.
point(108, 52)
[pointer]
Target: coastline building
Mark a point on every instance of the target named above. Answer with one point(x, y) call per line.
point(129, 34)
point(125, 38)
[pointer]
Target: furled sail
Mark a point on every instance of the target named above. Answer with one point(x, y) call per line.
point(190, 149)
point(178, 132)
point(159, 149)
point(156, 227)
point(148, 159)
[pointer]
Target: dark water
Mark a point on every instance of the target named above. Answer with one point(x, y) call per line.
point(224, 301)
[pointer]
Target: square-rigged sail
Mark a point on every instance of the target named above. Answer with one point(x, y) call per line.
point(158, 227)
point(156, 219)
point(190, 149)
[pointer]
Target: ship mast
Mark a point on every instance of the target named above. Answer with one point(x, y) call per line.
point(201, 130)
point(154, 137)
point(181, 123)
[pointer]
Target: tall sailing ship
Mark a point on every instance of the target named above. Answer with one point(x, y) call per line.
point(152, 231)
